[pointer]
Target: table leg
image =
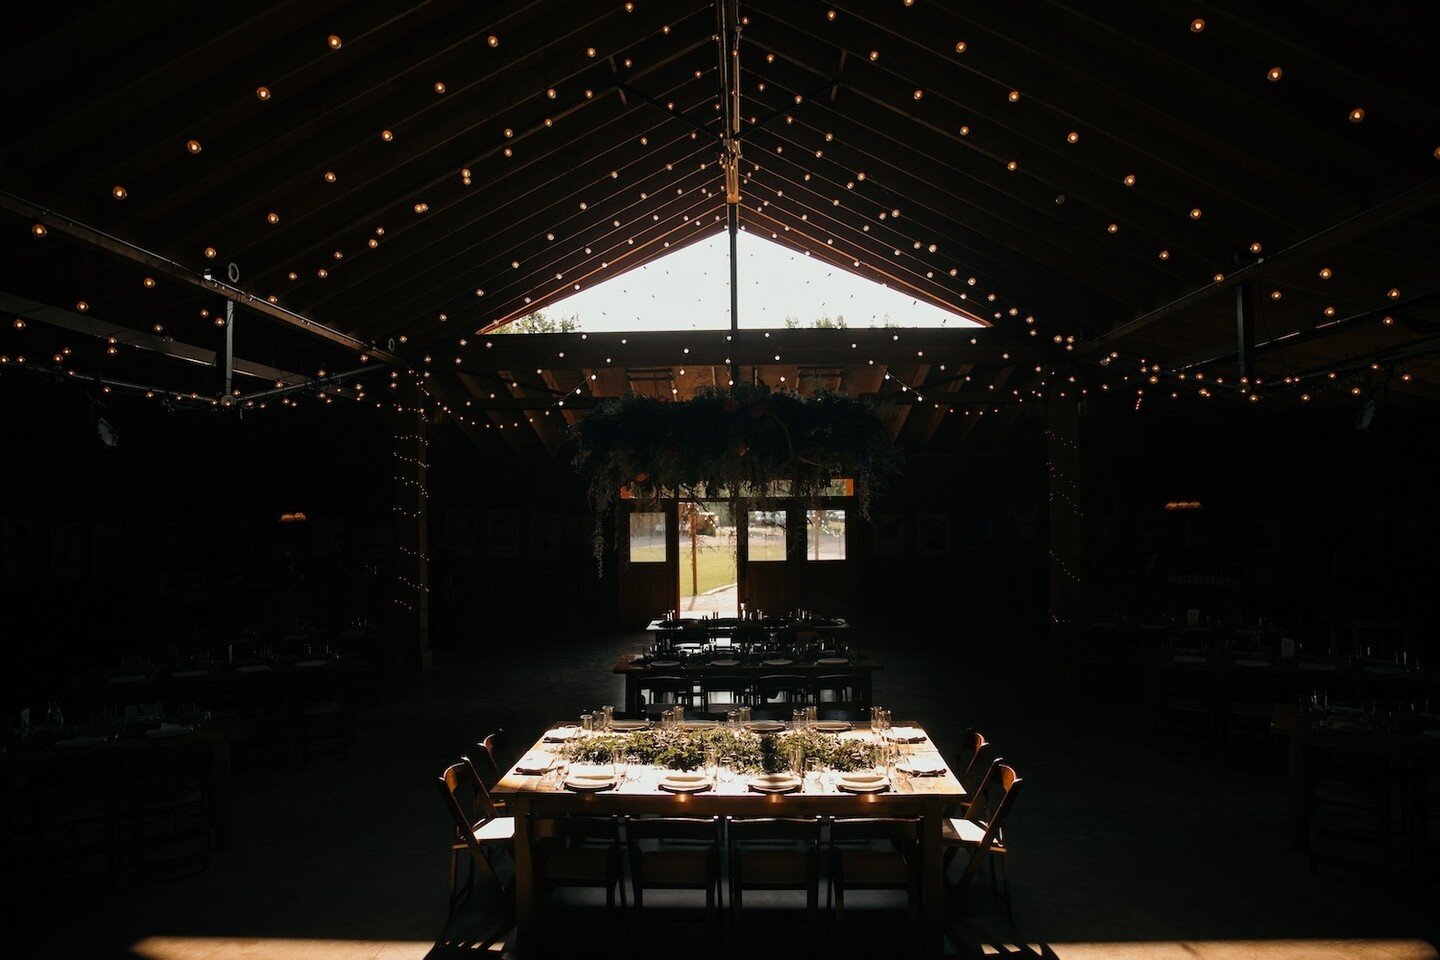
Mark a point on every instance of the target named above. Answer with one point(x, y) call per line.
point(220, 792)
point(527, 912)
point(632, 695)
point(1299, 828)
point(932, 862)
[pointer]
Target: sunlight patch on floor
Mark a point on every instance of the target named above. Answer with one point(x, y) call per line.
point(278, 948)
point(1358, 949)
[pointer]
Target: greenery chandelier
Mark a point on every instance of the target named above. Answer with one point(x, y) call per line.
point(747, 441)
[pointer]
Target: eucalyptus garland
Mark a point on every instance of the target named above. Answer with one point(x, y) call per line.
point(751, 752)
point(745, 441)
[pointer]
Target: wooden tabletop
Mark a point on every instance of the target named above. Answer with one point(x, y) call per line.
point(643, 782)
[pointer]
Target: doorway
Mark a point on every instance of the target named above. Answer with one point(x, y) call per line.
point(709, 558)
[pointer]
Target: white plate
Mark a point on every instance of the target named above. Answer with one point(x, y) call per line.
point(627, 726)
point(1385, 668)
point(833, 661)
point(699, 724)
point(254, 668)
point(777, 663)
point(775, 783)
point(187, 674)
point(582, 783)
point(310, 663)
point(764, 726)
point(862, 783)
point(561, 734)
point(832, 726)
point(664, 663)
point(685, 782)
point(905, 734)
point(724, 663)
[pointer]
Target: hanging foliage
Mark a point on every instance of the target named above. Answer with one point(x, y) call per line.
point(732, 443)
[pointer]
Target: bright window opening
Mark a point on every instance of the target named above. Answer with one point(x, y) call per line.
point(766, 535)
point(825, 534)
point(647, 538)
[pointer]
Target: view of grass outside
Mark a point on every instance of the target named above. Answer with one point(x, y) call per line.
point(825, 534)
point(708, 565)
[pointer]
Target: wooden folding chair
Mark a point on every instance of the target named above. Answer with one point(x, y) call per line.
point(679, 853)
point(876, 854)
point(981, 831)
point(775, 854)
point(481, 831)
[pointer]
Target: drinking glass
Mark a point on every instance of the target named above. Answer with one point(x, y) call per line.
point(812, 773)
point(811, 715)
point(744, 714)
point(587, 722)
point(726, 773)
point(618, 767)
point(798, 719)
point(732, 719)
point(607, 717)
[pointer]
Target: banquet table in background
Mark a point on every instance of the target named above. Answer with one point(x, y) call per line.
point(925, 798)
point(636, 669)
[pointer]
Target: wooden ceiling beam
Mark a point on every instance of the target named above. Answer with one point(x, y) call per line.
point(1402, 206)
point(169, 268)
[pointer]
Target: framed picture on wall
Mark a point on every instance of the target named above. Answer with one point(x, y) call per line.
point(889, 533)
point(932, 533)
point(504, 533)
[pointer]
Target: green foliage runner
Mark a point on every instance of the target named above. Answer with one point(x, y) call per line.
point(752, 752)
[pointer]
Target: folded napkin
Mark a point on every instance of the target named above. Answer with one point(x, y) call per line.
point(561, 734)
point(919, 766)
point(905, 734)
point(533, 763)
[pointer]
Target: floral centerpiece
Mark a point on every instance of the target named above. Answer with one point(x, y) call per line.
point(751, 752)
point(746, 441)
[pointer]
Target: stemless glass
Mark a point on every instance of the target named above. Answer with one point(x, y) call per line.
point(798, 719)
point(607, 716)
point(732, 719)
point(587, 722)
point(726, 772)
point(812, 773)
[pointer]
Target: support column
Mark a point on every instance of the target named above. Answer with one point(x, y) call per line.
point(1062, 463)
point(412, 515)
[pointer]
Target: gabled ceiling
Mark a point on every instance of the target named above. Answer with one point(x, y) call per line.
point(407, 176)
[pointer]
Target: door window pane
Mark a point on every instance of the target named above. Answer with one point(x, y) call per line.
point(766, 534)
point(647, 538)
point(825, 534)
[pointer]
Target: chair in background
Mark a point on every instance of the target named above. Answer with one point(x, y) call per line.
point(723, 692)
point(782, 689)
point(840, 691)
point(1347, 808)
point(675, 854)
point(480, 830)
point(981, 831)
point(171, 803)
point(662, 693)
point(973, 760)
point(876, 854)
point(579, 852)
point(774, 854)
point(326, 715)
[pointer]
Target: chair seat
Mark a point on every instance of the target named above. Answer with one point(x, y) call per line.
point(960, 830)
point(497, 830)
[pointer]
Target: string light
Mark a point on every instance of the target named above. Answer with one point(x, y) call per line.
point(262, 93)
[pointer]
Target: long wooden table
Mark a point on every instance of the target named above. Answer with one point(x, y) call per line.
point(693, 669)
point(530, 796)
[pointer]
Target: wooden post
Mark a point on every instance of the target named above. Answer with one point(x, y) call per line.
point(412, 514)
point(1062, 463)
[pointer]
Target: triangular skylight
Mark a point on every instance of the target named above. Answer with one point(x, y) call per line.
point(689, 289)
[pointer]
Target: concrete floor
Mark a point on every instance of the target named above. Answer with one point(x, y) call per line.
point(1119, 851)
